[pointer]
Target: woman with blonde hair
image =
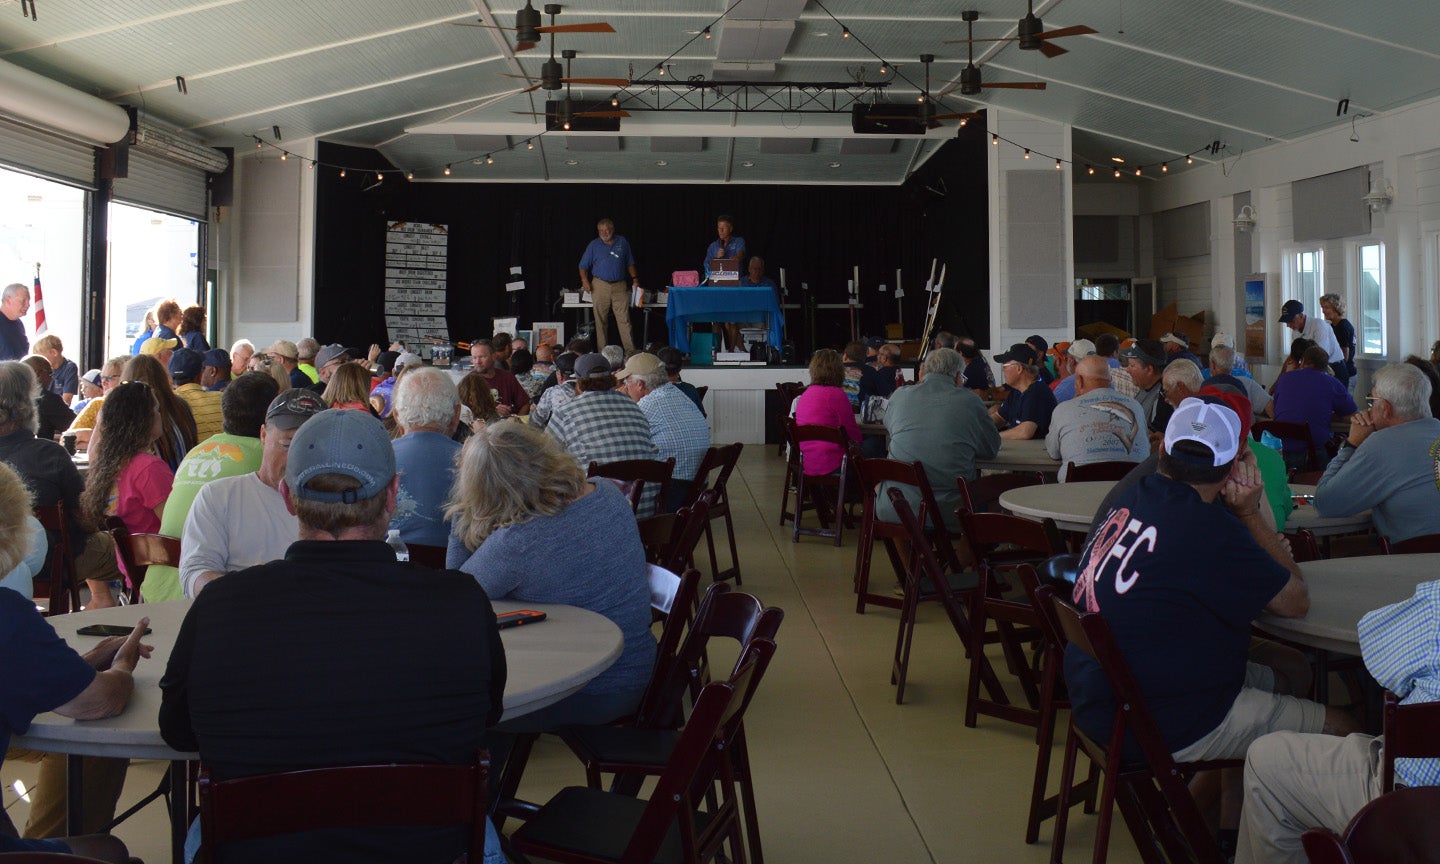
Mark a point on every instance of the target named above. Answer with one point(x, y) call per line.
point(179, 421)
point(523, 522)
point(23, 544)
point(348, 389)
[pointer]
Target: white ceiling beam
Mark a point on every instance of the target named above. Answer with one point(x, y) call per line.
point(124, 25)
point(1353, 34)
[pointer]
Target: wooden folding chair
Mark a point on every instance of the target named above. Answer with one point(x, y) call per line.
point(823, 490)
point(926, 580)
point(721, 459)
point(355, 796)
point(1413, 546)
point(789, 392)
point(586, 825)
point(1411, 732)
point(138, 552)
point(62, 586)
point(998, 543)
point(982, 495)
point(1152, 795)
point(670, 538)
point(1097, 471)
point(639, 478)
point(1399, 827)
point(892, 535)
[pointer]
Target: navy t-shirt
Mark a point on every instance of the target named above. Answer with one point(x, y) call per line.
point(1036, 404)
point(978, 375)
point(14, 344)
point(1179, 582)
point(41, 671)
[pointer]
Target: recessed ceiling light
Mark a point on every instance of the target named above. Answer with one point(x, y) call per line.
point(834, 164)
point(1117, 159)
point(661, 163)
point(747, 164)
point(572, 162)
point(691, 32)
point(822, 33)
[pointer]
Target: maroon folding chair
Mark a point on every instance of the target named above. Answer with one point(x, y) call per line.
point(1399, 827)
point(1411, 732)
point(425, 555)
point(62, 587)
point(721, 460)
point(827, 493)
point(138, 552)
point(982, 495)
point(352, 796)
point(1289, 432)
point(670, 538)
point(638, 478)
point(892, 535)
point(1413, 546)
point(789, 392)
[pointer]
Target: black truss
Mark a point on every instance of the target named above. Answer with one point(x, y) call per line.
point(762, 97)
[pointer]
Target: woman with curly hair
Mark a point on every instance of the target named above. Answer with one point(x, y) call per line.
point(515, 493)
point(477, 401)
point(126, 478)
point(192, 329)
point(179, 422)
point(349, 389)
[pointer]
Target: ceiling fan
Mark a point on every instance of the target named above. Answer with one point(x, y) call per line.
point(1032, 35)
point(528, 29)
point(927, 105)
point(565, 109)
point(970, 81)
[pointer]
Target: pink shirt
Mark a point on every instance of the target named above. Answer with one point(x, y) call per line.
point(824, 406)
point(142, 486)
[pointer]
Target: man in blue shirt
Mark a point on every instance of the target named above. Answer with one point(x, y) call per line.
point(427, 407)
point(755, 274)
point(726, 245)
point(1026, 411)
point(602, 271)
point(14, 303)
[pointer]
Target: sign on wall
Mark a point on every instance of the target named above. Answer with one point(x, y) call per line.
point(415, 259)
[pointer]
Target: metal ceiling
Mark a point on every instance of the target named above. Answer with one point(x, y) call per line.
point(1159, 80)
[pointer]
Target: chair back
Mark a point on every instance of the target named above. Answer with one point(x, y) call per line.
point(138, 551)
point(1399, 827)
point(874, 472)
point(982, 495)
point(1097, 471)
point(1411, 732)
point(926, 567)
point(426, 555)
point(814, 432)
point(720, 458)
point(701, 391)
point(634, 475)
point(1413, 546)
point(63, 593)
point(1304, 548)
point(356, 796)
point(998, 541)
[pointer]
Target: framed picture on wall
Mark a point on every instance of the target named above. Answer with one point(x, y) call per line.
point(547, 333)
point(503, 325)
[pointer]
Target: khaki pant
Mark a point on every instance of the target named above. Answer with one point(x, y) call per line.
point(1294, 782)
point(104, 778)
point(608, 297)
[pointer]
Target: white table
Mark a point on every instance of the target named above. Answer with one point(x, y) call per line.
point(1342, 590)
point(1021, 456)
point(545, 663)
point(1073, 506)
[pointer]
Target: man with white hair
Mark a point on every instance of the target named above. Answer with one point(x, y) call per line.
point(1241, 369)
point(1225, 366)
point(676, 424)
point(1099, 424)
point(14, 303)
point(1388, 462)
point(307, 348)
point(240, 354)
point(941, 424)
point(427, 408)
point(1066, 362)
point(1178, 382)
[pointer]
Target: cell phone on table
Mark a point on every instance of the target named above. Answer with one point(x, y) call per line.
point(518, 617)
point(107, 630)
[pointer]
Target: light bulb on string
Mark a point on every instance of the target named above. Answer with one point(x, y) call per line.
point(994, 139)
point(846, 33)
point(1089, 169)
point(614, 101)
point(529, 145)
point(379, 177)
point(706, 31)
point(567, 126)
point(311, 165)
point(963, 121)
point(1189, 160)
point(1117, 173)
point(1027, 152)
point(882, 67)
point(259, 144)
point(342, 172)
point(447, 170)
point(1137, 171)
point(283, 155)
point(489, 160)
point(1057, 164)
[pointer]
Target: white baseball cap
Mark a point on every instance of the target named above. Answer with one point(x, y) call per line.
point(1081, 348)
point(1222, 338)
point(1215, 426)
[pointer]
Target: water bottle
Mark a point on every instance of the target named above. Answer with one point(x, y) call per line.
point(402, 552)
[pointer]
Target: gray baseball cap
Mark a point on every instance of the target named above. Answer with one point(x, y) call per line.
point(349, 443)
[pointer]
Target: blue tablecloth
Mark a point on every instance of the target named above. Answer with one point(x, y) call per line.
point(707, 303)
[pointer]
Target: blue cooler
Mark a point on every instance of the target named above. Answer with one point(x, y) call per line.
point(702, 349)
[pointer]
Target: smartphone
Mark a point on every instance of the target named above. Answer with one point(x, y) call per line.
point(518, 617)
point(106, 630)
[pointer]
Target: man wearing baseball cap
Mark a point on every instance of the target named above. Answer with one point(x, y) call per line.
point(284, 352)
point(327, 360)
point(1317, 330)
point(602, 425)
point(1026, 411)
point(238, 522)
point(289, 666)
point(215, 372)
point(1178, 581)
point(1066, 359)
point(676, 426)
point(185, 367)
point(1145, 364)
point(1177, 347)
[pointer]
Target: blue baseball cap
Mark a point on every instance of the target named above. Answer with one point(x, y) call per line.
point(348, 443)
point(185, 364)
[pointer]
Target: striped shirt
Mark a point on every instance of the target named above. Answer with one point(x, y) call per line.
point(677, 427)
point(205, 405)
point(605, 426)
point(1400, 644)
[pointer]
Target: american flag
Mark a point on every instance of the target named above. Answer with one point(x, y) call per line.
point(39, 306)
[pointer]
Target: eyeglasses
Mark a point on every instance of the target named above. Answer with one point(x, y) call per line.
point(109, 377)
point(1371, 400)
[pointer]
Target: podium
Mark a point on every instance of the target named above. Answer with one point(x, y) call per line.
point(719, 303)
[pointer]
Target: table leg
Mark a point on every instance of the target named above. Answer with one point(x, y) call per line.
point(74, 795)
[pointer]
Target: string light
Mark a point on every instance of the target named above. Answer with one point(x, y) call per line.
point(283, 155)
point(1057, 164)
point(567, 126)
point(706, 31)
point(379, 177)
point(1137, 171)
point(529, 145)
point(1117, 173)
point(614, 101)
point(1164, 167)
point(1089, 169)
point(489, 160)
point(259, 144)
point(882, 67)
point(994, 139)
point(312, 165)
point(963, 121)
point(1189, 160)
point(1027, 152)
point(342, 172)
point(846, 34)
point(447, 170)
point(410, 175)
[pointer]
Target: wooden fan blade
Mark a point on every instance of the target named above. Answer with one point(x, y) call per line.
point(469, 24)
point(593, 27)
point(1016, 85)
point(608, 82)
point(615, 113)
point(513, 75)
point(1077, 30)
point(943, 93)
point(1050, 49)
point(532, 87)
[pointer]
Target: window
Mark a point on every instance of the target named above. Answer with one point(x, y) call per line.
point(43, 222)
point(1370, 317)
point(153, 256)
point(1305, 278)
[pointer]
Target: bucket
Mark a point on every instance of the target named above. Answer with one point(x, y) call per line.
point(702, 349)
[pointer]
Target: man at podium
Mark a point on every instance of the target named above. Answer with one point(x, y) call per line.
point(725, 254)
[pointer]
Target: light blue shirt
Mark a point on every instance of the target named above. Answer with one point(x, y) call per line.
point(426, 464)
point(1400, 644)
point(678, 428)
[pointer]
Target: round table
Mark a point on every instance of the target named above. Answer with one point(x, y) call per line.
point(1021, 456)
point(1342, 590)
point(1073, 506)
point(545, 663)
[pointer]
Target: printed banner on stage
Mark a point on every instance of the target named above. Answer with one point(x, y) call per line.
point(416, 254)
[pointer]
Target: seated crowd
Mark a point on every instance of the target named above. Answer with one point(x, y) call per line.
point(298, 461)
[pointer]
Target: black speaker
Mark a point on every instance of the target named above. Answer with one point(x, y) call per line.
point(554, 117)
point(887, 119)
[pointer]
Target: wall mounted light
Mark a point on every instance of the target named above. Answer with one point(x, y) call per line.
point(1245, 219)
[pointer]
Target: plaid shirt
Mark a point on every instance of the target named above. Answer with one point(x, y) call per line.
point(605, 426)
point(551, 399)
point(677, 427)
point(1400, 644)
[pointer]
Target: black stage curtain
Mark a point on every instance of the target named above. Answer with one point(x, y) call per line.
point(817, 233)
